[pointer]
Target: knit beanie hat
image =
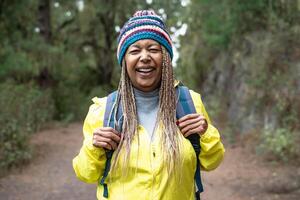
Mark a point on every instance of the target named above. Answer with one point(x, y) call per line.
point(144, 24)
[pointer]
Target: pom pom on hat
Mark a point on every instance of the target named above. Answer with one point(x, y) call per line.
point(144, 24)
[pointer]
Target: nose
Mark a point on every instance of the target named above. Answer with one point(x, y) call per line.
point(145, 56)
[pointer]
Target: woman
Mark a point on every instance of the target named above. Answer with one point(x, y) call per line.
point(152, 159)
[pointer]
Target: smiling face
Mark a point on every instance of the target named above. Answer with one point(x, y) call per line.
point(144, 64)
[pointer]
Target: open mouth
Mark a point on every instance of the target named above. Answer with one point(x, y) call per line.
point(145, 70)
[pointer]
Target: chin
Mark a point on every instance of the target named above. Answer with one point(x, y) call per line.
point(147, 85)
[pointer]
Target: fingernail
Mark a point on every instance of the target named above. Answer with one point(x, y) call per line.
point(177, 123)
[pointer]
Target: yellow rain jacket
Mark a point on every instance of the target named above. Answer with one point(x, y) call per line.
point(147, 177)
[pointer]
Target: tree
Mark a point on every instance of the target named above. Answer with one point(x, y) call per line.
point(44, 20)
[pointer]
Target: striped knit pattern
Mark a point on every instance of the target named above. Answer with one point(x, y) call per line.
point(145, 24)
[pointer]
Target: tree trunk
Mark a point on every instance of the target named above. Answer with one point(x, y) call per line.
point(104, 55)
point(45, 79)
point(44, 20)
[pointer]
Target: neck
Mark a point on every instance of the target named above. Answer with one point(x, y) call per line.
point(141, 93)
point(147, 106)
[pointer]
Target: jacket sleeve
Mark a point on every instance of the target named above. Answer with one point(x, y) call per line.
point(90, 162)
point(212, 149)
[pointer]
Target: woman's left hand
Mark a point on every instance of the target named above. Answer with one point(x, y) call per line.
point(191, 124)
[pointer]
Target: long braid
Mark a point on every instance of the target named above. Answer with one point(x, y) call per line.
point(130, 121)
point(167, 115)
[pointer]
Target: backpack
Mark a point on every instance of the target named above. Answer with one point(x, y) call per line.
point(184, 106)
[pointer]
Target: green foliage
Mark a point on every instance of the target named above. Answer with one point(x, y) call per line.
point(16, 65)
point(69, 102)
point(213, 13)
point(213, 106)
point(215, 26)
point(100, 91)
point(222, 21)
point(277, 91)
point(24, 109)
point(273, 79)
point(280, 143)
point(14, 148)
point(17, 20)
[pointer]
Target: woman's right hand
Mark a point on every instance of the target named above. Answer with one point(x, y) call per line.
point(106, 137)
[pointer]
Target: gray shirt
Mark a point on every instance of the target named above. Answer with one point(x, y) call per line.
point(147, 107)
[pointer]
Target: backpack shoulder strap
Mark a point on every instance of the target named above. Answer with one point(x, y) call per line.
point(185, 105)
point(110, 101)
point(112, 118)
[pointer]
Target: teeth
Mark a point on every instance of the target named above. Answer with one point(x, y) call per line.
point(145, 70)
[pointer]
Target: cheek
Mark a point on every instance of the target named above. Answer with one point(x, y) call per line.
point(130, 63)
point(130, 72)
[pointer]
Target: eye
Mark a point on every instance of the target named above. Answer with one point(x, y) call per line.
point(154, 50)
point(134, 51)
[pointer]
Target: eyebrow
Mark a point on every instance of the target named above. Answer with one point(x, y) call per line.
point(138, 46)
point(135, 45)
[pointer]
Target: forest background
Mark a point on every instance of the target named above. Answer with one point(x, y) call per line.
point(242, 56)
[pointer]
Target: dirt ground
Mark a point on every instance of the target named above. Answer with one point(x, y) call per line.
point(242, 175)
